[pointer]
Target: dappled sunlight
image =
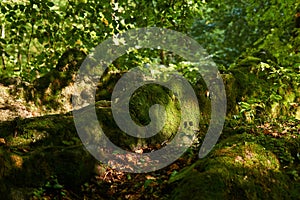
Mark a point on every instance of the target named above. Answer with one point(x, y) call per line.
point(127, 99)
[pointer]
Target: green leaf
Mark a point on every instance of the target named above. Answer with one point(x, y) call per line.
point(57, 186)
point(147, 183)
point(174, 173)
point(275, 97)
point(67, 142)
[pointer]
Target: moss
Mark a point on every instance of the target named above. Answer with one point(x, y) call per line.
point(231, 93)
point(44, 146)
point(152, 94)
point(236, 169)
point(140, 104)
point(48, 129)
point(72, 167)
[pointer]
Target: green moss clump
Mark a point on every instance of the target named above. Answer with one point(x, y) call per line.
point(139, 106)
point(236, 169)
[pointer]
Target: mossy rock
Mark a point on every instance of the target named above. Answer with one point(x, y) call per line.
point(40, 131)
point(43, 147)
point(72, 166)
point(249, 81)
point(236, 169)
point(144, 98)
point(140, 104)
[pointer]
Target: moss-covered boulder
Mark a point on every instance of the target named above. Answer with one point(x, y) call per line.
point(239, 168)
point(34, 150)
point(72, 166)
point(139, 105)
point(257, 88)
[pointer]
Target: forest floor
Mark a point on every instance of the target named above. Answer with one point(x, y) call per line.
point(107, 183)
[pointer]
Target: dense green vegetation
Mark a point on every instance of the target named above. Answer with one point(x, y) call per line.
point(255, 45)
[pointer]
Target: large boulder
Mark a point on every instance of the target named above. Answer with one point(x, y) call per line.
point(240, 167)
